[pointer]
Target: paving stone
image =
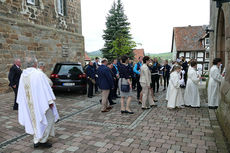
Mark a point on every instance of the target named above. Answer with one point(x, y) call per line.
point(72, 149)
point(157, 130)
point(102, 150)
point(38, 151)
point(64, 136)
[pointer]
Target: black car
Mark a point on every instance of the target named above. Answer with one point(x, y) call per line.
point(68, 77)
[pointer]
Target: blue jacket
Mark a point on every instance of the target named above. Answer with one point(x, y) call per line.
point(90, 72)
point(137, 68)
point(105, 79)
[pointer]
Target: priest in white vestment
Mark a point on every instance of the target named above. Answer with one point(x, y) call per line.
point(215, 79)
point(37, 111)
point(41, 67)
point(191, 96)
point(175, 98)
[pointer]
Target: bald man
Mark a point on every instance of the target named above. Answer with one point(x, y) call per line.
point(14, 76)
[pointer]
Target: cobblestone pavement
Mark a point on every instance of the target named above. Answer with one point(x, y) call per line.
point(83, 128)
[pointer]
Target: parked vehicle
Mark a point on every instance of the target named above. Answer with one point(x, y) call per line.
point(69, 77)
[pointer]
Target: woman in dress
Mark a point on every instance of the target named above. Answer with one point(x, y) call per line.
point(125, 79)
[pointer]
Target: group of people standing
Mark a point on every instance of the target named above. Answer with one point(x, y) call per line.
point(181, 93)
point(122, 74)
point(38, 112)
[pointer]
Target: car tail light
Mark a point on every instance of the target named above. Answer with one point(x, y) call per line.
point(54, 76)
point(82, 75)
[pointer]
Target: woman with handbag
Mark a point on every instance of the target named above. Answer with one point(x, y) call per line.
point(125, 85)
point(145, 81)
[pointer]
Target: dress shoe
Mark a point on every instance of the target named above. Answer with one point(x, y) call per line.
point(104, 111)
point(153, 105)
point(118, 97)
point(45, 145)
point(155, 101)
point(213, 107)
point(90, 96)
point(145, 108)
point(110, 107)
point(123, 111)
point(129, 112)
point(139, 102)
point(112, 103)
point(36, 145)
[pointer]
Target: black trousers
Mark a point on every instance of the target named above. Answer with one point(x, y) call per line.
point(96, 87)
point(166, 81)
point(139, 88)
point(185, 78)
point(114, 91)
point(155, 80)
point(134, 82)
point(15, 107)
point(110, 96)
point(90, 88)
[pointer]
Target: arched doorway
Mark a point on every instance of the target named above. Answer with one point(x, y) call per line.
point(220, 47)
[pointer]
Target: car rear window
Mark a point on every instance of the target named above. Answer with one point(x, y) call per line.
point(69, 69)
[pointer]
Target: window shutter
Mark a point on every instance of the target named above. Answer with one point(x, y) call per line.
point(65, 7)
point(37, 2)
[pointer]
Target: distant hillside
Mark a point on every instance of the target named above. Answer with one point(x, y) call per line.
point(161, 55)
point(94, 54)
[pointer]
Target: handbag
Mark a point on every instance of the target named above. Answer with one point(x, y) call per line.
point(124, 87)
point(92, 80)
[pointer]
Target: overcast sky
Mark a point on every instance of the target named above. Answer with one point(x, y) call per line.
point(152, 21)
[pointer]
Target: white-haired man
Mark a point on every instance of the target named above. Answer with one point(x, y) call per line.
point(37, 111)
point(14, 76)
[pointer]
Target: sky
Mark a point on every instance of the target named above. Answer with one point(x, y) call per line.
point(152, 21)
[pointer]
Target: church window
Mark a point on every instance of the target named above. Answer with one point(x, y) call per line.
point(61, 7)
point(31, 2)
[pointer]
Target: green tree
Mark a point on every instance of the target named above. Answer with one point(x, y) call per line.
point(117, 37)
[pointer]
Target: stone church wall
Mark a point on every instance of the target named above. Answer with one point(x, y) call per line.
point(27, 30)
point(224, 108)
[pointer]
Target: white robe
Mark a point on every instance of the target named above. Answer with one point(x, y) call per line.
point(34, 97)
point(215, 79)
point(175, 96)
point(49, 80)
point(191, 96)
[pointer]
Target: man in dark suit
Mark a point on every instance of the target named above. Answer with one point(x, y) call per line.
point(166, 74)
point(111, 92)
point(116, 73)
point(90, 72)
point(105, 83)
point(185, 68)
point(96, 66)
point(14, 76)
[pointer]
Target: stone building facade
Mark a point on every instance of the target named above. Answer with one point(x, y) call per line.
point(219, 30)
point(51, 30)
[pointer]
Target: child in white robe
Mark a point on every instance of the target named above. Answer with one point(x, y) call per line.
point(191, 96)
point(175, 98)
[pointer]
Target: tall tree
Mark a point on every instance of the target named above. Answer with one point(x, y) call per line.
point(117, 37)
